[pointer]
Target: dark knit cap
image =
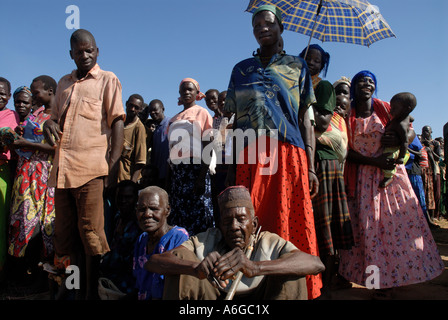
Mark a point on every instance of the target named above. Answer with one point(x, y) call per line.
point(233, 197)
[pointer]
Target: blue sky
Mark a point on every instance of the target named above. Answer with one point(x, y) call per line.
point(152, 45)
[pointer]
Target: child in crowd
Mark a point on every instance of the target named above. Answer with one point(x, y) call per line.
point(31, 221)
point(133, 156)
point(342, 105)
point(336, 134)
point(117, 264)
point(401, 106)
point(211, 100)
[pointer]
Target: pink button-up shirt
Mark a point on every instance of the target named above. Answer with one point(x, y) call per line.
point(91, 105)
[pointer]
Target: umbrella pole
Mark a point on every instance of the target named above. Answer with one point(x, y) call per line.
point(314, 28)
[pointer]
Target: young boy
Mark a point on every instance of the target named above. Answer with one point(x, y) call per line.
point(86, 127)
point(401, 106)
point(133, 156)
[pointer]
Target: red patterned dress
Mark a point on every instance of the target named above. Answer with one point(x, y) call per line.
point(32, 204)
point(266, 102)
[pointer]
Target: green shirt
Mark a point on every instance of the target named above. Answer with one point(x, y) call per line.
point(326, 103)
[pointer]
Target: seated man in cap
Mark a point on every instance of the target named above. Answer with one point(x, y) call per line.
point(202, 267)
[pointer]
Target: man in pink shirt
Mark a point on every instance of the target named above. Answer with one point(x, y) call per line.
point(86, 128)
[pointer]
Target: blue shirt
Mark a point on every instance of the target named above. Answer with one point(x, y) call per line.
point(160, 147)
point(270, 98)
point(150, 285)
point(416, 145)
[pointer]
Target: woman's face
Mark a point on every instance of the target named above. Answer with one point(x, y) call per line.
point(364, 88)
point(314, 61)
point(266, 29)
point(41, 96)
point(5, 95)
point(23, 103)
point(152, 212)
point(188, 92)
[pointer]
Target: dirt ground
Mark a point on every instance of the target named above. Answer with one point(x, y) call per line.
point(436, 289)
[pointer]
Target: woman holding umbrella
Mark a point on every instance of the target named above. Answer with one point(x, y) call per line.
point(393, 243)
point(270, 95)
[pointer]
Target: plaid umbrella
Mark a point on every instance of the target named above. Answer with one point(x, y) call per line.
point(350, 21)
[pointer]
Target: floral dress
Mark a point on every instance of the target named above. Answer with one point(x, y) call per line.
point(150, 285)
point(391, 234)
point(32, 203)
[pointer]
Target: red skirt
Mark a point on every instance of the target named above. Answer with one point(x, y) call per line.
point(280, 192)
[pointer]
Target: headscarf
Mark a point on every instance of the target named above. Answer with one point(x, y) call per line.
point(359, 75)
point(325, 56)
point(233, 197)
point(199, 96)
point(268, 7)
point(22, 89)
point(343, 80)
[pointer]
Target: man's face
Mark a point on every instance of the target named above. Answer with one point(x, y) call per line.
point(156, 112)
point(85, 54)
point(222, 101)
point(426, 132)
point(237, 225)
point(133, 107)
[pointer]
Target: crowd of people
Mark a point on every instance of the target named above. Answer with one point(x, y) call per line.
point(157, 207)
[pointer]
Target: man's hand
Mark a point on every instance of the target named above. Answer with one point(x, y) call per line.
point(52, 132)
point(205, 270)
point(233, 261)
point(117, 141)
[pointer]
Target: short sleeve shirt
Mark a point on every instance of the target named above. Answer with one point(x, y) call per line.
point(134, 149)
point(269, 247)
point(91, 105)
point(186, 132)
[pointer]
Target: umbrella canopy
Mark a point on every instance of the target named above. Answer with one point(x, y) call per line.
point(350, 21)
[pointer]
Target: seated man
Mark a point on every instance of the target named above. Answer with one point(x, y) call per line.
point(202, 267)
